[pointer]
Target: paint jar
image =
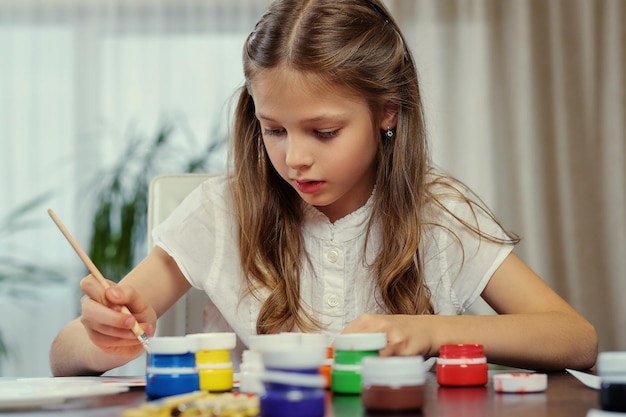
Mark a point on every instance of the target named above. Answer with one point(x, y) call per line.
point(462, 365)
point(323, 341)
point(171, 368)
point(250, 372)
point(612, 372)
point(327, 368)
point(251, 367)
point(350, 349)
point(260, 342)
point(293, 384)
point(393, 383)
point(213, 361)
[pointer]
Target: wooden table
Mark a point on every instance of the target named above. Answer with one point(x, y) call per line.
point(566, 397)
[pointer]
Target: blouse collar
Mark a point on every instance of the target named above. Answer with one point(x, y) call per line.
point(346, 228)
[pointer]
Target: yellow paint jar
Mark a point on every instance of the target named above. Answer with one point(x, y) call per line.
point(213, 360)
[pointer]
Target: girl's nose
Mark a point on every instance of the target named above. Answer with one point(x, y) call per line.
point(297, 154)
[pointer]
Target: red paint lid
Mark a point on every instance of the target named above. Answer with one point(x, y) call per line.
point(461, 351)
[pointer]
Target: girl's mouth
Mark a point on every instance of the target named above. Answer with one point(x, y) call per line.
point(309, 187)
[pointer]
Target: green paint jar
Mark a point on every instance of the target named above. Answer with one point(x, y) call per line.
point(350, 349)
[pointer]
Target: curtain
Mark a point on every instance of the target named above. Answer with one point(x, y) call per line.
point(526, 103)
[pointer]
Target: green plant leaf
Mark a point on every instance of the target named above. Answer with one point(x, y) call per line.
point(119, 224)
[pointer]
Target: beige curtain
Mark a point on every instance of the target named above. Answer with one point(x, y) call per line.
point(526, 102)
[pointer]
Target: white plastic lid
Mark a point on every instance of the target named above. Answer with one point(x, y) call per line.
point(263, 341)
point(214, 341)
point(294, 357)
point(294, 379)
point(314, 339)
point(296, 337)
point(612, 366)
point(395, 371)
point(360, 341)
point(251, 356)
point(172, 345)
point(520, 382)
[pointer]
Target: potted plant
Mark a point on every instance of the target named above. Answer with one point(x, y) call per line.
point(118, 238)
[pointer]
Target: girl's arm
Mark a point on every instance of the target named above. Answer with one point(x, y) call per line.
point(535, 328)
point(101, 338)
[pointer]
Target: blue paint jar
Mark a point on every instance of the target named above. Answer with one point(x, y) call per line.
point(293, 383)
point(171, 367)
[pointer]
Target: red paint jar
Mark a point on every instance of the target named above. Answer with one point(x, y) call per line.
point(461, 365)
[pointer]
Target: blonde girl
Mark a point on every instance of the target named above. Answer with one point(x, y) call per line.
point(332, 217)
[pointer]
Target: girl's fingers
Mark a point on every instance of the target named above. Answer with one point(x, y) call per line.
point(107, 326)
point(95, 314)
point(127, 296)
point(93, 289)
point(109, 336)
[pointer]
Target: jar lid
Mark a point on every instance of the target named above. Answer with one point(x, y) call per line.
point(172, 345)
point(263, 341)
point(214, 341)
point(612, 363)
point(360, 341)
point(393, 371)
point(294, 379)
point(520, 382)
point(314, 338)
point(251, 356)
point(461, 351)
point(294, 357)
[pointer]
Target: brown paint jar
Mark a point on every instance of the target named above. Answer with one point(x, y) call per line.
point(393, 383)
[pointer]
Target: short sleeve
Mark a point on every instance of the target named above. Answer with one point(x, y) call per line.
point(459, 261)
point(196, 233)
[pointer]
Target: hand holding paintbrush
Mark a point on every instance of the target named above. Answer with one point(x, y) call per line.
point(137, 330)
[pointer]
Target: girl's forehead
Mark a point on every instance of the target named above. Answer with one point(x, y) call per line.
point(290, 96)
point(307, 82)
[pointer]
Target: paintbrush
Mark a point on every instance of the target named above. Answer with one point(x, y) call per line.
point(137, 330)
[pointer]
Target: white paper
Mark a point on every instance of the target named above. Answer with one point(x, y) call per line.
point(592, 381)
point(428, 363)
point(28, 393)
point(602, 413)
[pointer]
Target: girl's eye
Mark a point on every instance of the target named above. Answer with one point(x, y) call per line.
point(273, 132)
point(326, 135)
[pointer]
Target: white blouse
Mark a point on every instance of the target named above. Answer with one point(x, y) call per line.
point(336, 287)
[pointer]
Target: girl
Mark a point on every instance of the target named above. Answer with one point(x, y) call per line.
point(332, 218)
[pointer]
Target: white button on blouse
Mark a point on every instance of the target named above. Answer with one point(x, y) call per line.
point(332, 300)
point(332, 255)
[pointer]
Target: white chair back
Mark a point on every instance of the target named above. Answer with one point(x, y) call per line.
point(165, 193)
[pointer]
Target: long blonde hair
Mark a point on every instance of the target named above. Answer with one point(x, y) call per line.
point(358, 45)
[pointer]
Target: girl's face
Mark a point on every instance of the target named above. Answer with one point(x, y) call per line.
point(322, 141)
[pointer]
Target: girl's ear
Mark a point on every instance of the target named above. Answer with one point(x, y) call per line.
point(389, 116)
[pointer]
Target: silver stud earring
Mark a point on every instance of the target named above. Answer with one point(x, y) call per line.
point(389, 132)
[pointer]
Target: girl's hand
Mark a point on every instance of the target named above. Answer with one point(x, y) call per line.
point(406, 334)
point(109, 328)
